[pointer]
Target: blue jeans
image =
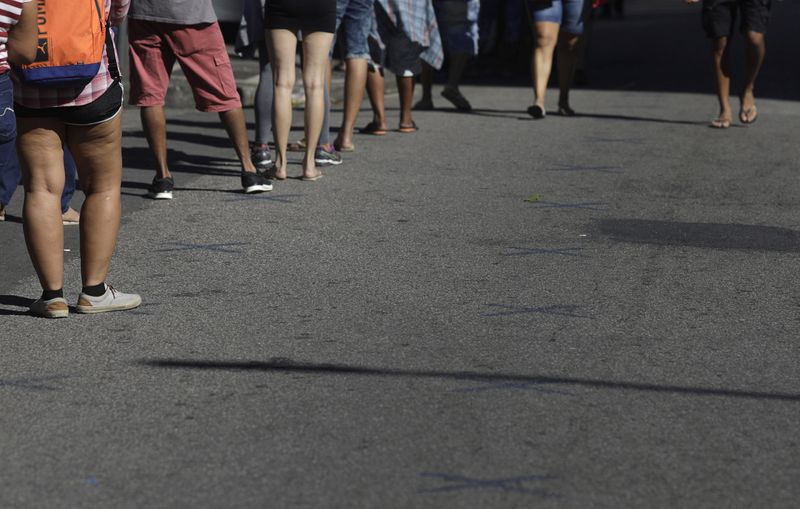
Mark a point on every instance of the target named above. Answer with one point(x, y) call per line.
point(357, 18)
point(9, 164)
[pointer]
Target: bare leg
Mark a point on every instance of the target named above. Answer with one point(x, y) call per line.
point(98, 154)
point(316, 47)
point(405, 85)
point(39, 146)
point(355, 81)
point(154, 124)
point(567, 56)
point(723, 81)
point(233, 121)
point(755, 49)
point(426, 79)
point(375, 90)
point(542, 61)
point(282, 46)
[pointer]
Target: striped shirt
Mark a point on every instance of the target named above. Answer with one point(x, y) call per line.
point(33, 97)
point(10, 11)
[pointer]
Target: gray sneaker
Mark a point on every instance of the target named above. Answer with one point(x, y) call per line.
point(323, 157)
point(112, 300)
point(51, 308)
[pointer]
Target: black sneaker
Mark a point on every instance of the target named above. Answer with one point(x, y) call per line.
point(260, 155)
point(161, 189)
point(255, 182)
point(323, 157)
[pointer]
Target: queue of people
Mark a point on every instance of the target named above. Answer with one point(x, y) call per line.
point(52, 130)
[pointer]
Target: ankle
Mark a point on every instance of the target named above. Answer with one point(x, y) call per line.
point(94, 290)
point(52, 294)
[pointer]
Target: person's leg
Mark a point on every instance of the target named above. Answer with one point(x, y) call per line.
point(316, 50)
point(264, 96)
point(405, 86)
point(282, 50)
point(235, 126)
point(375, 90)
point(722, 75)
point(355, 81)
point(69, 216)
point(154, 124)
point(755, 50)
point(97, 151)
point(542, 61)
point(426, 80)
point(567, 56)
point(39, 146)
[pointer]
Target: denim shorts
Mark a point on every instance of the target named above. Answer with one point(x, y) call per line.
point(567, 13)
point(356, 16)
point(9, 168)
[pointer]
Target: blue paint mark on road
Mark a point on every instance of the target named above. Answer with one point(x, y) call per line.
point(560, 205)
point(91, 481)
point(598, 169)
point(219, 248)
point(569, 310)
point(520, 484)
point(33, 383)
point(525, 251)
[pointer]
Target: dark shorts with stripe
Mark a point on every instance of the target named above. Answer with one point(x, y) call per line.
point(719, 16)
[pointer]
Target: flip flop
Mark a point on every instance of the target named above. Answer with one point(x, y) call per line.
point(311, 179)
point(537, 112)
point(373, 128)
point(720, 123)
point(749, 115)
point(342, 148)
point(408, 128)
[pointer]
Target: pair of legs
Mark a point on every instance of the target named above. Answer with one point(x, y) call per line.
point(282, 45)
point(97, 151)
point(548, 35)
point(154, 123)
point(755, 49)
point(457, 64)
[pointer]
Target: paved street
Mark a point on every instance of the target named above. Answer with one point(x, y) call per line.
point(599, 311)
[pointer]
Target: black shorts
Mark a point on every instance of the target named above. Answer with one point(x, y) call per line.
point(719, 16)
point(301, 15)
point(103, 109)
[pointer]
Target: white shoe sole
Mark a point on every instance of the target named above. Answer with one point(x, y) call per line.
point(166, 195)
point(260, 188)
point(326, 162)
point(90, 310)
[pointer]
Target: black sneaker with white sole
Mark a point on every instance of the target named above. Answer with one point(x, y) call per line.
point(161, 189)
point(261, 156)
point(323, 157)
point(255, 182)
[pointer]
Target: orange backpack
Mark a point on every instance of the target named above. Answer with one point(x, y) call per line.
point(72, 36)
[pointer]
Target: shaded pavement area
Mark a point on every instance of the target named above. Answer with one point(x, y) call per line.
point(599, 311)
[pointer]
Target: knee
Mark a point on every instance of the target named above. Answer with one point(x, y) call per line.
point(284, 82)
point(545, 41)
point(755, 38)
point(314, 84)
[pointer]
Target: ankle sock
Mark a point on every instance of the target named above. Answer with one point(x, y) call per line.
point(53, 294)
point(95, 291)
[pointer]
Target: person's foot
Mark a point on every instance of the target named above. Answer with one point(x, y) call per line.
point(342, 145)
point(70, 217)
point(51, 308)
point(260, 155)
point(454, 96)
point(255, 182)
point(720, 123)
point(565, 111)
point(161, 189)
point(374, 128)
point(424, 104)
point(327, 156)
point(2, 212)
point(274, 172)
point(111, 300)
point(537, 112)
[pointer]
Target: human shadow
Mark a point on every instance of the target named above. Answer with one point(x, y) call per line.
point(702, 235)
point(15, 301)
point(286, 366)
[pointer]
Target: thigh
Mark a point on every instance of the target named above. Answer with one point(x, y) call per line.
point(755, 15)
point(97, 151)
point(151, 62)
point(316, 47)
point(282, 53)
point(40, 144)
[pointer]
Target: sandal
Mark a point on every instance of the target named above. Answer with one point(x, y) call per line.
point(408, 128)
point(373, 128)
point(749, 115)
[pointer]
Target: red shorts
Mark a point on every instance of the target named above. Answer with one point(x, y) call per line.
point(200, 51)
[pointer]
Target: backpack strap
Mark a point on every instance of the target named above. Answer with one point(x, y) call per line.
point(111, 53)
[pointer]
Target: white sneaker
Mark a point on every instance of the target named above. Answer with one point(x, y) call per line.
point(51, 308)
point(112, 300)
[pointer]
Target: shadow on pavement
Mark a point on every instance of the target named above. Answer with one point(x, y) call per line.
point(281, 365)
point(704, 235)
